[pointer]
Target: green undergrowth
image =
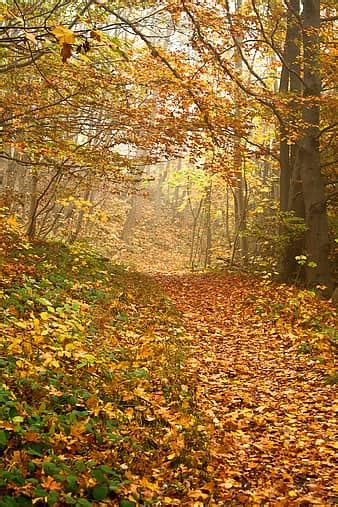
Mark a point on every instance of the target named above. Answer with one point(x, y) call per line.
point(95, 407)
point(307, 324)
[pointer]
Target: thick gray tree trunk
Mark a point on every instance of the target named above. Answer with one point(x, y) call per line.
point(291, 190)
point(240, 190)
point(316, 237)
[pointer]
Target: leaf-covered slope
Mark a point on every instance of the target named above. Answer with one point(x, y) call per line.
point(95, 408)
point(109, 396)
point(262, 356)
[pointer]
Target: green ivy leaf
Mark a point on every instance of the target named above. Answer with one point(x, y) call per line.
point(52, 498)
point(3, 438)
point(83, 503)
point(100, 492)
point(127, 503)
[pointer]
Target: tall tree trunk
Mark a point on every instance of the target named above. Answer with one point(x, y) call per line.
point(31, 228)
point(240, 190)
point(75, 233)
point(130, 221)
point(207, 258)
point(227, 218)
point(291, 190)
point(162, 174)
point(316, 237)
point(285, 171)
point(194, 233)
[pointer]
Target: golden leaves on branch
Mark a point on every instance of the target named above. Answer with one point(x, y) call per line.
point(65, 38)
point(63, 35)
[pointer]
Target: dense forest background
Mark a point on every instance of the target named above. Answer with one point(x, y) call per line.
point(175, 135)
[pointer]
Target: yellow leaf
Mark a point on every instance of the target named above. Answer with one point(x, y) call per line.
point(64, 35)
point(145, 483)
point(84, 57)
point(44, 315)
point(23, 325)
point(145, 352)
point(140, 392)
point(185, 421)
point(13, 223)
point(70, 346)
point(228, 484)
point(27, 348)
point(197, 493)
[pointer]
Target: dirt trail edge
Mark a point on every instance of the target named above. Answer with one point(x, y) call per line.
point(262, 361)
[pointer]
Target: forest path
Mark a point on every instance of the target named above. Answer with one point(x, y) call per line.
point(272, 413)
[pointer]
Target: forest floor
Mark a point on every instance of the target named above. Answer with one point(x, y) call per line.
point(118, 388)
point(261, 358)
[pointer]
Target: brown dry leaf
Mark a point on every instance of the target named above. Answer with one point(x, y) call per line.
point(78, 429)
point(31, 436)
point(66, 51)
point(95, 35)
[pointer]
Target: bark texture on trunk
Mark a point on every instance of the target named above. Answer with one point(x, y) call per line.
point(207, 259)
point(316, 237)
point(31, 227)
point(291, 189)
point(240, 190)
point(131, 218)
